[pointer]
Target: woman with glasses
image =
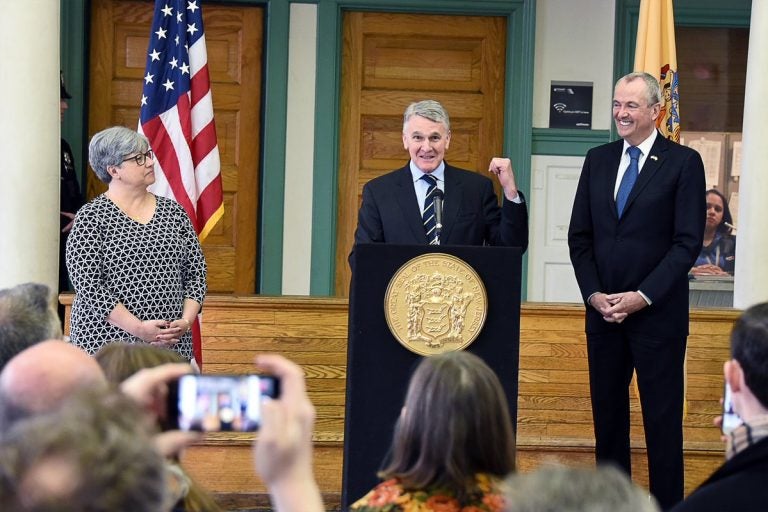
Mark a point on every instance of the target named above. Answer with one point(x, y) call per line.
point(133, 257)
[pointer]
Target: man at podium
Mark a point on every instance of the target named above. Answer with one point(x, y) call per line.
point(430, 202)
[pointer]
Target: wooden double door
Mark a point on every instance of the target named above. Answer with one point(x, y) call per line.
point(391, 60)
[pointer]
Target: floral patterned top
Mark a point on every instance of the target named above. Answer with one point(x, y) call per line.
point(389, 496)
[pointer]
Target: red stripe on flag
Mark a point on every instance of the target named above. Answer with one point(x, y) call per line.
point(185, 119)
point(203, 143)
point(200, 84)
point(165, 153)
point(209, 200)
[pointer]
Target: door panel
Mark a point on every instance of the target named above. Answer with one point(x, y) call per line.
point(234, 35)
point(391, 60)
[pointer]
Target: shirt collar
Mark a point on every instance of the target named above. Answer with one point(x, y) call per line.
point(438, 173)
point(645, 146)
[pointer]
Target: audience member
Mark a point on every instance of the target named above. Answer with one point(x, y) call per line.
point(120, 361)
point(563, 489)
point(91, 454)
point(63, 450)
point(26, 317)
point(740, 483)
point(39, 378)
point(453, 443)
point(133, 257)
point(718, 254)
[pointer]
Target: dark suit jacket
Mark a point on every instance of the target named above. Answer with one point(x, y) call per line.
point(471, 215)
point(652, 247)
point(739, 485)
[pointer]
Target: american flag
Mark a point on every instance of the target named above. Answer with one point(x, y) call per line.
point(177, 118)
point(177, 113)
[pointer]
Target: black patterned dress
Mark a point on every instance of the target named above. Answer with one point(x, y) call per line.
point(149, 268)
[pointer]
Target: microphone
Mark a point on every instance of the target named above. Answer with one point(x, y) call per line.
point(438, 202)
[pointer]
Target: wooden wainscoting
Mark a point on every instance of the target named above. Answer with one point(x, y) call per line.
point(554, 414)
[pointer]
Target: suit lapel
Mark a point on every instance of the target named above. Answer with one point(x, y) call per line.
point(409, 207)
point(653, 163)
point(454, 192)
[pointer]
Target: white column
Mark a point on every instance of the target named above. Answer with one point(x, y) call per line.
point(29, 142)
point(751, 276)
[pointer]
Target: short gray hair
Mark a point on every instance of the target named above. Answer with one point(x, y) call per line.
point(562, 489)
point(652, 88)
point(428, 109)
point(26, 317)
point(109, 147)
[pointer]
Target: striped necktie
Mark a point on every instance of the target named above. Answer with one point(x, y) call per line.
point(428, 217)
point(628, 180)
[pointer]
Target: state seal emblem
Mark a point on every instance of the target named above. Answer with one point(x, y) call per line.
point(435, 303)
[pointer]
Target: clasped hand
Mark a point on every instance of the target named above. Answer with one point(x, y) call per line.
point(616, 307)
point(162, 332)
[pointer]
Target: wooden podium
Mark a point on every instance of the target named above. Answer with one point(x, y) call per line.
point(379, 367)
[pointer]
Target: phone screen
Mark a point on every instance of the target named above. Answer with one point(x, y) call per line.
point(731, 420)
point(219, 403)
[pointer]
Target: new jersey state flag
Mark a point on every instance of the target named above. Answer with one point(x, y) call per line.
point(656, 54)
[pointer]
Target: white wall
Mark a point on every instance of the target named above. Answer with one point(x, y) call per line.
point(574, 42)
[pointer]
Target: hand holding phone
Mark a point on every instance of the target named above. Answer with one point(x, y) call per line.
point(219, 403)
point(731, 420)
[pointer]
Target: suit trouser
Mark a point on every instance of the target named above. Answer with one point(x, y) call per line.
point(659, 365)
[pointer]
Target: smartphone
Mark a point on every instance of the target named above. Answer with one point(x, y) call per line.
point(731, 420)
point(219, 403)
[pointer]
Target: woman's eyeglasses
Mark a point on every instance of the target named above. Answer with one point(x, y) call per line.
point(141, 158)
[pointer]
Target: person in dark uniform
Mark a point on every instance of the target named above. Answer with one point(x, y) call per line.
point(71, 197)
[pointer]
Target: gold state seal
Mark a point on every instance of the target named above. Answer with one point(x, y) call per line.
point(435, 303)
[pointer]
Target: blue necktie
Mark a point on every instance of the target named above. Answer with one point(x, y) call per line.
point(428, 217)
point(628, 180)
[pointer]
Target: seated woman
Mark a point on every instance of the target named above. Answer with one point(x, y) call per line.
point(453, 443)
point(718, 254)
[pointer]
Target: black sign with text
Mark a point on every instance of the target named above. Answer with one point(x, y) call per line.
point(570, 105)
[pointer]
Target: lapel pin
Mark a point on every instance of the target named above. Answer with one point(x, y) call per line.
point(654, 157)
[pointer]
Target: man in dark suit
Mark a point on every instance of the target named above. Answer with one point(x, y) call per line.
point(739, 484)
point(393, 204)
point(632, 268)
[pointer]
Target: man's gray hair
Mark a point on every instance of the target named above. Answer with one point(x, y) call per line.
point(26, 317)
point(652, 88)
point(109, 147)
point(562, 489)
point(428, 109)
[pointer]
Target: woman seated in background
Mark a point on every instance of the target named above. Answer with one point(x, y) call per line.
point(133, 257)
point(120, 361)
point(718, 254)
point(453, 443)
